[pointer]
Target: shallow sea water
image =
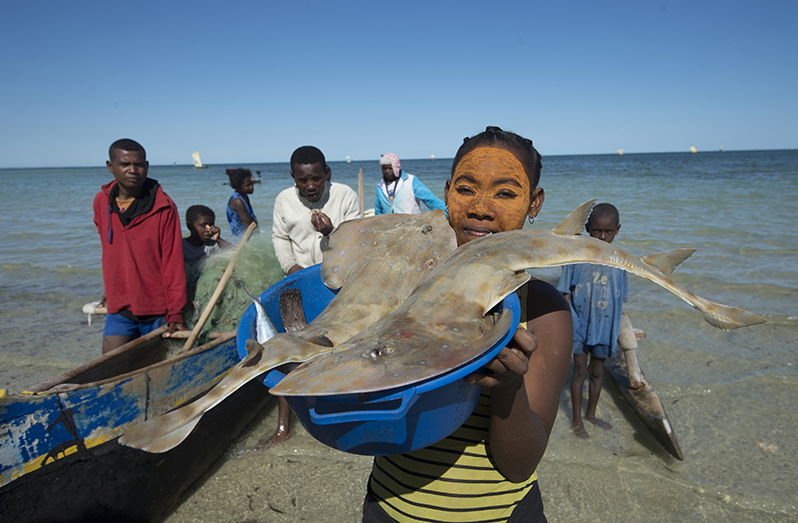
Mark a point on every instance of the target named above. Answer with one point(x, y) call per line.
point(729, 395)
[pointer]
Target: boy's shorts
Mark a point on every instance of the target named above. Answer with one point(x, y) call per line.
point(598, 351)
point(118, 325)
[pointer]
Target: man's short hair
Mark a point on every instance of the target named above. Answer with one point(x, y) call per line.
point(125, 144)
point(308, 155)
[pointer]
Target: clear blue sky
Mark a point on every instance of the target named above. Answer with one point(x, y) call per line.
point(248, 82)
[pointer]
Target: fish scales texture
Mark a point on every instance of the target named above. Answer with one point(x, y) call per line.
point(470, 283)
point(380, 259)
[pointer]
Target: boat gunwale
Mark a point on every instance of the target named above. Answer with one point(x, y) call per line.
point(46, 388)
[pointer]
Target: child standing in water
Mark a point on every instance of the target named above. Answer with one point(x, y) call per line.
point(596, 294)
point(239, 210)
point(486, 469)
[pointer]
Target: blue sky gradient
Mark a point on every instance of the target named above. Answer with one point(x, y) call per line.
point(248, 82)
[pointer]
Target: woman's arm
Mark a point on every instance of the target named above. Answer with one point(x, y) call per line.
point(238, 206)
point(526, 381)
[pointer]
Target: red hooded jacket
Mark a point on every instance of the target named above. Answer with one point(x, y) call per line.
point(143, 268)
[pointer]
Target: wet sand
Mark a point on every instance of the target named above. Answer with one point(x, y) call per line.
point(622, 474)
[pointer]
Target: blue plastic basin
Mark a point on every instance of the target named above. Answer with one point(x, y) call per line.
point(387, 422)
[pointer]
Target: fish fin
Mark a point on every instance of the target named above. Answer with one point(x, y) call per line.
point(254, 354)
point(575, 222)
point(728, 318)
point(322, 341)
point(507, 285)
point(667, 261)
point(139, 437)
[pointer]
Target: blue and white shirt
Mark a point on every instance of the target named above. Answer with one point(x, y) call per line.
point(408, 192)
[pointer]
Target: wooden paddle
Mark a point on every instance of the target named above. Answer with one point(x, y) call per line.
point(219, 288)
point(360, 189)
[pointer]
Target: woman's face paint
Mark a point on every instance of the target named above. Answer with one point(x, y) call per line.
point(489, 192)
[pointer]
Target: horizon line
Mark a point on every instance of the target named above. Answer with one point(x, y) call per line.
point(620, 152)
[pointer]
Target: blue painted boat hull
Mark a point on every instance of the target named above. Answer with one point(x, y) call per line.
point(59, 460)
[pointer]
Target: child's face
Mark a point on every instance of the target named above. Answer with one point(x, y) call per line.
point(310, 179)
point(202, 227)
point(130, 169)
point(604, 228)
point(489, 192)
point(246, 187)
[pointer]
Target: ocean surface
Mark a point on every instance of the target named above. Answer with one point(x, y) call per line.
point(731, 396)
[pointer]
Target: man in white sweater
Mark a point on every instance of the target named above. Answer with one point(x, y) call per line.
point(306, 214)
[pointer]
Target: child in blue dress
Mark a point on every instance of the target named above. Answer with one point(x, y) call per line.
point(596, 293)
point(239, 210)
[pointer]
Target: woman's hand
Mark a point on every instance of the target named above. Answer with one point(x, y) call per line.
point(510, 365)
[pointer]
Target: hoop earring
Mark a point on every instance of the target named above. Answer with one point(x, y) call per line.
point(531, 219)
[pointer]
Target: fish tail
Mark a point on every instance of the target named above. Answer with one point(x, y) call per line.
point(727, 318)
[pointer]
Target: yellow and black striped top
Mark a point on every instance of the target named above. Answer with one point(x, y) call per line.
point(454, 480)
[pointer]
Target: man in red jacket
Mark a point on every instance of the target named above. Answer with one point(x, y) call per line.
point(143, 272)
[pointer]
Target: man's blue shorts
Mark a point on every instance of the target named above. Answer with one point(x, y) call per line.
point(598, 351)
point(118, 325)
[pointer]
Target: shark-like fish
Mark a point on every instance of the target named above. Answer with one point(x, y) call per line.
point(360, 344)
point(443, 324)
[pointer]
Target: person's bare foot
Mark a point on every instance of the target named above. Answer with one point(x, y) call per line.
point(279, 435)
point(579, 431)
point(599, 423)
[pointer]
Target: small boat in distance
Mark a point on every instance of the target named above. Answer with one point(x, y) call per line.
point(620, 152)
point(197, 162)
point(693, 149)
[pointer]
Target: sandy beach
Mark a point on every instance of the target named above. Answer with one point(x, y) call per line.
point(618, 475)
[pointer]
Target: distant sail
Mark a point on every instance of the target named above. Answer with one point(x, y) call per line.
point(693, 149)
point(620, 152)
point(197, 162)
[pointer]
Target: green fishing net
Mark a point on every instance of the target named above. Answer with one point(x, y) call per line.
point(256, 266)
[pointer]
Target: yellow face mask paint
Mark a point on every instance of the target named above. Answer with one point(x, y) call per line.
point(489, 192)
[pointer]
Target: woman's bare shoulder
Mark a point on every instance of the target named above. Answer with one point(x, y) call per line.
point(543, 298)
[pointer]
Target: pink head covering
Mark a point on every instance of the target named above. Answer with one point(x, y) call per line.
point(392, 160)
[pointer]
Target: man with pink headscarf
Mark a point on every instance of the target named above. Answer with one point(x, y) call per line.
point(400, 191)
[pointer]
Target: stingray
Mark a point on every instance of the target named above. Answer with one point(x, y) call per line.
point(443, 324)
point(375, 262)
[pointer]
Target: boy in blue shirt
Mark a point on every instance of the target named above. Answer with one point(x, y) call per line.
point(596, 294)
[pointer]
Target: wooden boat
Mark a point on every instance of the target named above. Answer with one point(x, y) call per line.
point(59, 460)
point(645, 403)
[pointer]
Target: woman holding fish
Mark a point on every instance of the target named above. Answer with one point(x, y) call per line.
point(485, 470)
